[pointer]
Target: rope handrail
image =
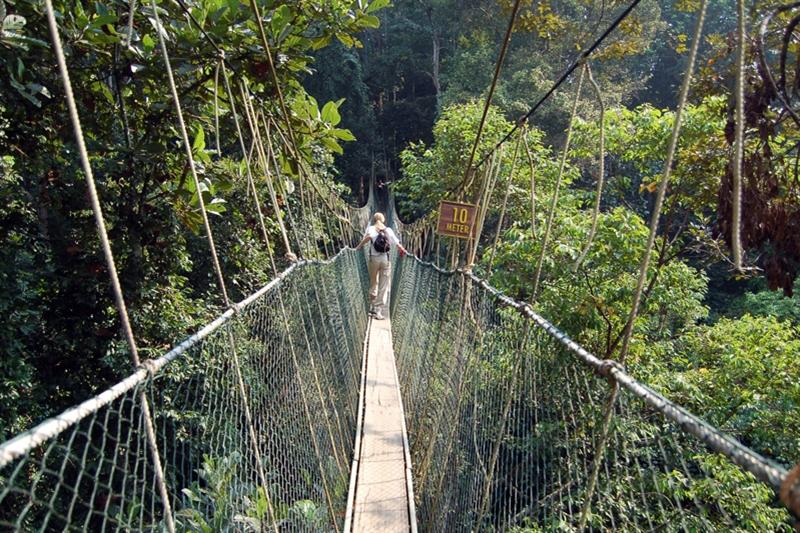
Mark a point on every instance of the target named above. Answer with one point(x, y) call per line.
point(27, 441)
point(762, 468)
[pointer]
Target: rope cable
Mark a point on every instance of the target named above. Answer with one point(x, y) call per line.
point(108, 254)
point(507, 193)
point(189, 155)
point(532, 165)
point(662, 187)
point(498, 67)
point(554, 202)
point(582, 57)
point(600, 169)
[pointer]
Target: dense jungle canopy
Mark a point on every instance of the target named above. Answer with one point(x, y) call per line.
point(393, 92)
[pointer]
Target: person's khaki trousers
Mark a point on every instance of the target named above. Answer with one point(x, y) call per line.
point(380, 273)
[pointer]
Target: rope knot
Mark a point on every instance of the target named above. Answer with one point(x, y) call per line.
point(291, 257)
point(606, 366)
point(221, 54)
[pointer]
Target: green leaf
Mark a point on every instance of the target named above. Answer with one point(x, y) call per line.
point(369, 21)
point(375, 5)
point(343, 134)
point(148, 43)
point(332, 145)
point(13, 23)
point(281, 18)
point(346, 39)
point(321, 42)
point(330, 114)
point(199, 143)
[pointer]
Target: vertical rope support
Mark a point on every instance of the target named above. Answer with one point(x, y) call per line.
point(284, 314)
point(119, 299)
point(497, 68)
point(662, 187)
point(262, 157)
point(220, 63)
point(218, 269)
point(247, 159)
point(554, 202)
point(511, 390)
point(736, 219)
point(601, 169)
point(188, 147)
point(532, 164)
point(599, 453)
point(485, 195)
point(509, 183)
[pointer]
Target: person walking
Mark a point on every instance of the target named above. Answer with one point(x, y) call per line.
point(382, 239)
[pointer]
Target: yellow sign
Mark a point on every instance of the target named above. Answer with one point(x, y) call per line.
point(456, 220)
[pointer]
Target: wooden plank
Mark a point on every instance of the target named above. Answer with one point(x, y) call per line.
point(381, 501)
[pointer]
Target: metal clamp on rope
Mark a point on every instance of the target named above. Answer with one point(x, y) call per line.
point(149, 366)
point(607, 366)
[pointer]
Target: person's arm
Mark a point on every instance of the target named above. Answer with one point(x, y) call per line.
point(396, 242)
point(363, 242)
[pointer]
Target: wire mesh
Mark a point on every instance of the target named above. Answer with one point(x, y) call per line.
point(297, 347)
point(504, 422)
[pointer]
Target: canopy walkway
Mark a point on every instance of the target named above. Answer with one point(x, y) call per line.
point(503, 414)
point(292, 411)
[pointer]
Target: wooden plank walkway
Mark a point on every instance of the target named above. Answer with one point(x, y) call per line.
point(381, 494)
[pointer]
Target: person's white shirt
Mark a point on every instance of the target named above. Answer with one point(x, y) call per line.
point(372, 233)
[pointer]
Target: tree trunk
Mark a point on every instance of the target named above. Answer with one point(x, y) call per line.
point(437, 48)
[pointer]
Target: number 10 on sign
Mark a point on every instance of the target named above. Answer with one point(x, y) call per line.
point(456, 220)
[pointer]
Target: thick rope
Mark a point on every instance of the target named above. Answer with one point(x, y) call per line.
point(738, 156)
point(601, 169)
point(509, 183)
point(248, 158)
point(109, 258)
point(497, 68)
point(126, 42)
point(190, 157)
point(264, 162)
point(487, 189)
point(532, 165)
point(554, 202)
point(582, 57)
point(217, 267)
point(220, 63)
point(662, 187)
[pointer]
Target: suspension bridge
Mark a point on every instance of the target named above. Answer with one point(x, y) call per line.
point(294, 411)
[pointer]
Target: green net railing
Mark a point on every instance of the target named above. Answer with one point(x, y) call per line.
point(505, 415)
point(297, 346)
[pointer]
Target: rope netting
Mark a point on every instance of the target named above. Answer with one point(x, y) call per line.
point(505, 415)
point(89, 469)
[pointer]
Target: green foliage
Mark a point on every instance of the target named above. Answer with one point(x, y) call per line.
point(743, 376)
point(430, 171)
point(63, 339)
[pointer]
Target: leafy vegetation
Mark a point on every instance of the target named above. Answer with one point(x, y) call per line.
point(409, 84)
